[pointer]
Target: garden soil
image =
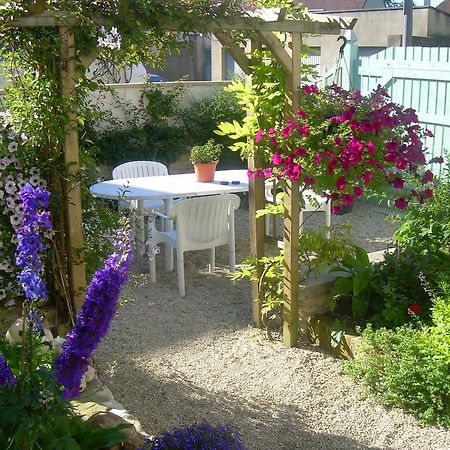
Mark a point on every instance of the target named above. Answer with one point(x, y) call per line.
point(173, 361)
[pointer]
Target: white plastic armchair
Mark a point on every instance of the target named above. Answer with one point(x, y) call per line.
point(313, 202)
point(201, 223)
point(138, 169)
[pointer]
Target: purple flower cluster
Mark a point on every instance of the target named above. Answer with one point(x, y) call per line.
point(6, 376)
point(94, 318)
point(35, 219)
point(199, 436)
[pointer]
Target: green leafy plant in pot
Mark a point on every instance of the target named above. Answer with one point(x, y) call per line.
point(205, 158)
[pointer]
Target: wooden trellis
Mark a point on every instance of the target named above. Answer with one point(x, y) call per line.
point(266, 30)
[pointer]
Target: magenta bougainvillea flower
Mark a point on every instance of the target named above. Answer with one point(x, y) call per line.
point(345, 145)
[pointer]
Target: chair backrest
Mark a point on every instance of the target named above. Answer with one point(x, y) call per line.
point(137, 169)
point(204, 222)
point(312, 200)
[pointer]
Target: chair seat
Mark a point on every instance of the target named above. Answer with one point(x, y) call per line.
point(149, 205)
point(201, 223)
point(313, 202)
point(153, 204)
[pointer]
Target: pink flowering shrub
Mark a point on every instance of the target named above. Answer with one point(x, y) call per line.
point(347, 145)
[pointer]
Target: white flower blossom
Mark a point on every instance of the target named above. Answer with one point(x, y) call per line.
point(19, 210)
point(12, 147)
point(34, 180)
point(109, 39)
point(10, 187)
point(15, 220)
point(10, 203)
point(5, 117)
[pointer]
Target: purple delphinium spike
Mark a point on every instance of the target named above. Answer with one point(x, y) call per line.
point(35, 219)
point(94, 318)
point(6, 376)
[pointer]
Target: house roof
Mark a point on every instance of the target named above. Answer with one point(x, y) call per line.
point(444, 6)
point(332, 5)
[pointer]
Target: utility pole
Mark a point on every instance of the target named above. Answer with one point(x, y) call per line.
point(407, 23)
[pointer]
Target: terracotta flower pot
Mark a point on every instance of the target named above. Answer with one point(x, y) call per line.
point(205, 172)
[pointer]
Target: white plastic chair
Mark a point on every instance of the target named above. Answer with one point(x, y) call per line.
point(313, 202)
point(138, 169)
point(201, 223)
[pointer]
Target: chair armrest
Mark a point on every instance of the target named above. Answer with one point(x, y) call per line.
point(160, 214)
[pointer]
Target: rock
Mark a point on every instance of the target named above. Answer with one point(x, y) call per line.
point(122, 412)
point(116, 406)
point(109, 420)
point(14, 333)
point(90, 374)
point(57, 343)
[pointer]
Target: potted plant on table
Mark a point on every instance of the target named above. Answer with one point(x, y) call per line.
point(205, 158)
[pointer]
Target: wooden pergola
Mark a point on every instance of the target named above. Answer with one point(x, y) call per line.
point(266, 27)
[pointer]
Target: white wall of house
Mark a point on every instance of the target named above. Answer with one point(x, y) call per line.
point(131, 93)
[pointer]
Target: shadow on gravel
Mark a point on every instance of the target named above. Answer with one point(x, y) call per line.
point(175, 401)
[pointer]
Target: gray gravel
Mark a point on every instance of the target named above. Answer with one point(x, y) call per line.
point(173, 361)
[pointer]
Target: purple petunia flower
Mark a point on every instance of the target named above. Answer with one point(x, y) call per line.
point(6, 376)
point(94, 318)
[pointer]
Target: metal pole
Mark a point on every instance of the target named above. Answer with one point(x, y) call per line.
point(407, 23)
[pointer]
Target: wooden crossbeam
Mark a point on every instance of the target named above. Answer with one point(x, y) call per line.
point(277, 49)
point(235, 51)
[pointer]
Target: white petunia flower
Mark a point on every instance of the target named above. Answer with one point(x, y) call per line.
point(19, 210)
point(34, 180)
point(15, 220)
point(10, 203)
point(12, 147)
point(10, 187)
point(34, 171)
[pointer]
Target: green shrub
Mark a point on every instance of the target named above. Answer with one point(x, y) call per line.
point(426, 228)
point(385, 293)
point(202, 118)
point(153, 132)
point(410, 368)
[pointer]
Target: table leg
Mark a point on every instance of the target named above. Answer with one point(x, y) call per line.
point(140, 229)
point(168, 226)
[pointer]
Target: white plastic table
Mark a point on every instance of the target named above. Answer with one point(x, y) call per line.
point(167, 188)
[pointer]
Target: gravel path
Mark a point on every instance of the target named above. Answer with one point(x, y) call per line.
point(173, 361)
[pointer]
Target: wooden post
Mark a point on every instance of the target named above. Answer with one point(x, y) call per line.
point(73, 217)
point(217, 60)
point(256, 200)
point(291, 221)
